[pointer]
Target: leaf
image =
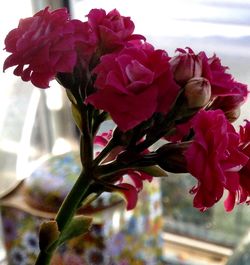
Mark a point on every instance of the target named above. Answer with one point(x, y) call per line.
point(154, 171)
point(70, 96)
point(78, 226)
point(48, 235)
point(77, 116)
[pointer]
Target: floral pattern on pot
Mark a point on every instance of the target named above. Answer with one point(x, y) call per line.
point(117, 237)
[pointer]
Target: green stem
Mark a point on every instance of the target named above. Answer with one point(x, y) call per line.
point(81, 188)
point(97, 121)
point(72, 201)
point(67, 212)
point(43, 258)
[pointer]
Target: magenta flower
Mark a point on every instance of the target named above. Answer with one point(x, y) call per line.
point(226, 93)
point(134, 84)
point(242, 193)
point(222, 83)
point(43, 45)
point(130, 184)
point(112, 30)
point(214, 158)
point(245, 148)
point(188, 64)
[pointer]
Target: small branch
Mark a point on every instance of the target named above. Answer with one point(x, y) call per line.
point(97, 122)
point(105, 151)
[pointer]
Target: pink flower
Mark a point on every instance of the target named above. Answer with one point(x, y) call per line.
point(112, 29)
point(43, 45)
point(242, 193)
point(188, 64)
point(134, 84)
point(222, 83)
point(129, 182)
point(214, 158)
point(227, 94)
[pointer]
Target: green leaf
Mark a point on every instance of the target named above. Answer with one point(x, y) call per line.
point(77, 116)
point(48, 235)
point(154, 171)
point(71, 97)
point(78, 226)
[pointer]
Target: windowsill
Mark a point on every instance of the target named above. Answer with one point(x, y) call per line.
point(186, 251)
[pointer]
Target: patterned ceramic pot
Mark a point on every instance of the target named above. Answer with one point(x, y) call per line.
point(116, 238)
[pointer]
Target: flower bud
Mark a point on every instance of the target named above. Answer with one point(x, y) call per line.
point(233, 115)
point(197, 92)
point(228, 103)
point(185, 66)
point(171, 157)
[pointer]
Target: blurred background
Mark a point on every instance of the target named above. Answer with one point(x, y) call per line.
point(34, 123)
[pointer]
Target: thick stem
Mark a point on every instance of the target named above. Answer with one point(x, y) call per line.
point(80, 190)
point(67, 212)
point(43, 258)
point(72, 201)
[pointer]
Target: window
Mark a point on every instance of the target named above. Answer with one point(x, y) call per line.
point(212, 26)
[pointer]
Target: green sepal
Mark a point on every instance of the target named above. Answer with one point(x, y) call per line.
point(154, 171)
point(77, 116)
point(78, 226)
point(71, 97)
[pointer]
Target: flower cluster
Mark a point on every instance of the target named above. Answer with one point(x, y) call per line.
point(189, 97)
point(188, 100)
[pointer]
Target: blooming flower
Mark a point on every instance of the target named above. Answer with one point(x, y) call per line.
point(43, 45)
point(131, 186)
point(187, 65)
point(226, 93)
point(112, 30)
point(217, 158)
point(222, 83)
point(242, 193)
point(134, 84)
point(109, 71)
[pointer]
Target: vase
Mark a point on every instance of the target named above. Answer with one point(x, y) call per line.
point(117, 237)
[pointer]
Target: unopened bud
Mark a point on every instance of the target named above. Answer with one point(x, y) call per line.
point(233, 115)
point(228, 103)
point(185, 66)
point(171, 157)
point(197, 92)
